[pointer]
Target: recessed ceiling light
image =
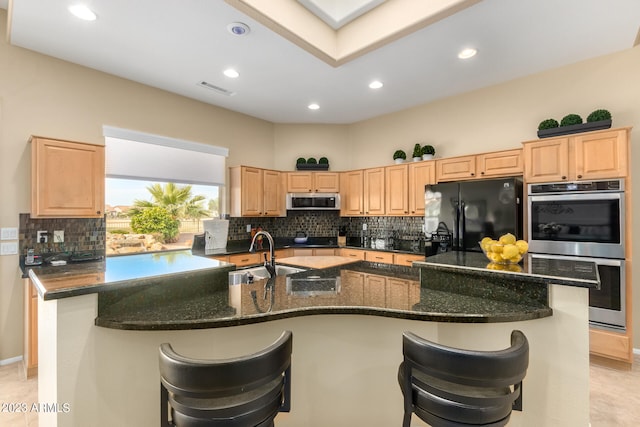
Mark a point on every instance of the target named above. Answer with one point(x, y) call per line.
point(313, 106)
point(231, 73)
point(238, 28)
point(376, 84)
point(83, 12)
point(467, 53)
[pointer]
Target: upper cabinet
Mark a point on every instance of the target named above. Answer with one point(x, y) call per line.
point(362, 192)
point(256, 192)
point(590, 155)
point(67, 179)
point(486, 165)
point(313, 182)
point(404, 187)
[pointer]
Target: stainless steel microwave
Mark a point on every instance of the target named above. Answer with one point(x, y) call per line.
point(313, 201)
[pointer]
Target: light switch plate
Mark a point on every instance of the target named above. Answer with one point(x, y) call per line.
point(9, 248)
point(58, 236)
point(9, 233)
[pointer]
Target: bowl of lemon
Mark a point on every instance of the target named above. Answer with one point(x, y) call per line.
point(506, 250)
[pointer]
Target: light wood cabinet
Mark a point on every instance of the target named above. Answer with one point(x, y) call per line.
point(362, 192)
point(30, 350)
point(377, 256)
point(375, 290)
point(585, 156)
point(397, 190)
point(353, 253)
point(314, 251)
point(313, 182)
point(420, 174)
point(611, 345)
point(480, 166)
point(245, 259)
point(67, 179)
point(402, 294)
point(406, 259)
point(256, 192)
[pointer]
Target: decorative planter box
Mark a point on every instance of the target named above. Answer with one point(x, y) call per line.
point(312, 167)
point(582, 127)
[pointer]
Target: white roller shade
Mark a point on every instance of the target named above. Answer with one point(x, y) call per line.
point(136, 155)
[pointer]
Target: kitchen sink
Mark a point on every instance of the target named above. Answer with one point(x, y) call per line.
point(242, 276)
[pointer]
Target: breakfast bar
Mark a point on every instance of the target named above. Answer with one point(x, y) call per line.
point(347, 320)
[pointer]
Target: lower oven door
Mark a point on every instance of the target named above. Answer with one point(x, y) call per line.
point(607, 304)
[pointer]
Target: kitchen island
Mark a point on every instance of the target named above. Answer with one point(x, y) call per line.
point(345, 362)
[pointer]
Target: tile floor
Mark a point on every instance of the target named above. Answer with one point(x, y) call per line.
point(615, 396)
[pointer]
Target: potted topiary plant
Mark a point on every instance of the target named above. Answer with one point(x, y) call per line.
point(572, 123)
point(312, 164)
point(399, 156)
point(428, 152)
point(417, 153)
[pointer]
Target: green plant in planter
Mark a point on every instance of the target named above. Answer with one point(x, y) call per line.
point(598, 115)
point(399, 154)
point(312, 161)
point(417, 150)
point(301, 161)
point(323, 161)
point(428, 149)
point(571, 119)
point(548, 124)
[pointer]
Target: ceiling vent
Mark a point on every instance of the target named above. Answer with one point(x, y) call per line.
point(220, 90)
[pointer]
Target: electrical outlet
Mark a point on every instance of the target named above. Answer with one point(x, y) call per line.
point(364, 227)
point(9, 248)
point(58, 236)
point(9, 233)
point(248, 228)
point(42, 236)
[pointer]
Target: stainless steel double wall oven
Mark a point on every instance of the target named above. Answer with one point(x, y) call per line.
point(585, 221)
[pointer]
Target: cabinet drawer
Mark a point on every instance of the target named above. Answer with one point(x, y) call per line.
point(353, 253)
point(610, 344)
point(407, 259)
point(383, 257)
point(241, 260)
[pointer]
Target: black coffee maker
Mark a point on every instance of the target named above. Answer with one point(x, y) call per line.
point(440, 241)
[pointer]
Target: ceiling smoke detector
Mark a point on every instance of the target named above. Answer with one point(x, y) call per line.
point(238, 29)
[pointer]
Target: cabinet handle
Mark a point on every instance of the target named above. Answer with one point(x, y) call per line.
point(564, 177)
point(481, 173)
point(473, 174)
point(98, 212)
point(579, 176)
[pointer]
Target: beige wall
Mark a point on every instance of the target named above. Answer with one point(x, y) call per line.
point(45, 96)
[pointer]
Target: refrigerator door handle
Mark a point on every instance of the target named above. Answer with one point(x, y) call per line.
point(463, 228)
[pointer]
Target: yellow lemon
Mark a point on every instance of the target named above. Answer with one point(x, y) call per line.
point(522, 246)
point(495, 257)
point(516, 259)
point(507, 239)
point(496, 248)
point(510, 251)
point(486, 240)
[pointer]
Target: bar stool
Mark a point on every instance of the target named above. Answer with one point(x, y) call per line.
point(246, 391)
point(450, 387)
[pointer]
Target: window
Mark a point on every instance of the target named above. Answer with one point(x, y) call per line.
point(159, 190)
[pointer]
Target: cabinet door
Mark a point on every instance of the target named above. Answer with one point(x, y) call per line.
point(251, 191)
point(352, 287)
point(299, 182)
point(397, 190)
point(273, 199)
point(456, 168)
point(30, 349)
point(374, 191)
point(326, 182)
point(601, 155)
point(546, 161)
point(375, 290)
point(67, 179)
point(420, 174)
point(500, 163)
point(352, 196)
point(397, 293)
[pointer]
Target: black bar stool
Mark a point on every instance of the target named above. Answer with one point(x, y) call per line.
point(246, 391)
point(450, 387)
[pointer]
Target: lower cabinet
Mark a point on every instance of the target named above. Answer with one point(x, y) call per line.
point(611, 345)
point(30, 356)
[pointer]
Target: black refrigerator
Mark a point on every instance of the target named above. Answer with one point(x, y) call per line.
point(460, 214)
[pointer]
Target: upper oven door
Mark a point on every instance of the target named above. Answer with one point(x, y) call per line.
point(577, 224)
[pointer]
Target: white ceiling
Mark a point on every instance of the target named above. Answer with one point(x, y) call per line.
point(174, 45)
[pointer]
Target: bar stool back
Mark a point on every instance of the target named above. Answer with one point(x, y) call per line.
point(246, 391)
point(450, 387)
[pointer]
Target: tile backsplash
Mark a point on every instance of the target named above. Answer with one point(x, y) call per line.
point(329, 223)
point(80, 234)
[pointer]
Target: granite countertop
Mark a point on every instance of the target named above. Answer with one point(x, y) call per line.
point(535, 270)
point(117, 272)
point(360, 287)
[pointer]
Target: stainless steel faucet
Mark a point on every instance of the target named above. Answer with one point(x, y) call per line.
point(270, 266)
